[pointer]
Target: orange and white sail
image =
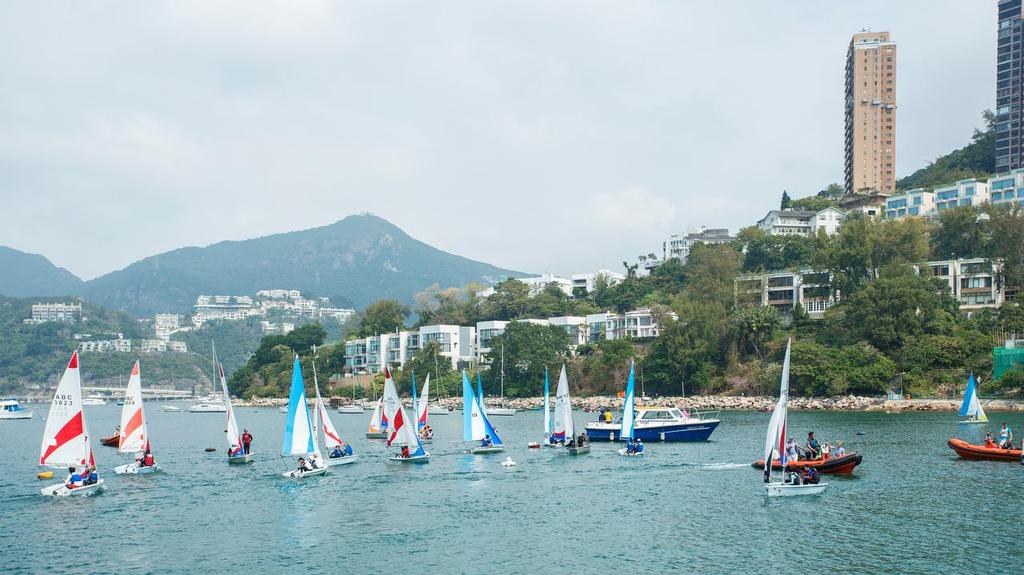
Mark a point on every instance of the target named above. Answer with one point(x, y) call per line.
point(134, 433)
point(66, 437)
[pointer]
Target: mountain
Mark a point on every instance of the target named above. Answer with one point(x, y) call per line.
point(975, 160)
point(357, 260)
point(23, 274)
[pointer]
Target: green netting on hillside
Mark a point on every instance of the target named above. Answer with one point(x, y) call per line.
point(1005, 359)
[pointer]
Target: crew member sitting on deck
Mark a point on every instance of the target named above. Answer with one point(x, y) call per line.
point(146, 459)
point(813, 447)
point(486, 441)
point(639, 447)
point(337, 452)
point(988, 441)
point(1005, 437)
point(92, 478)
point(630, 446)
point(303, 465)
point(74, 479)
point(426, 432)
point(405, 452)
point(839, 451)
point(810, 476)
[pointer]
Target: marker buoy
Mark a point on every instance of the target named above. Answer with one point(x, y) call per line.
point(44, 475)
point(211, 449)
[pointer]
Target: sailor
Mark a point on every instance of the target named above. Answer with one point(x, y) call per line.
point(813, 447)
point(639, 447)
point(337, 452)
point(839, 451)
point(1005, 437)
point(303, 465)
point(792, 450)
point(73, 479)
point(348, 449)
point(810, 476)
point(246, 440)
point(988, 441)
point(486, 441)
point(145, 460)
point(629, 446)
point(405, 452)
point(607, 415)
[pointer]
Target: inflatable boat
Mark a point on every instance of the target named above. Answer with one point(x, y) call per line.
point(842, 465)
point(980, 452)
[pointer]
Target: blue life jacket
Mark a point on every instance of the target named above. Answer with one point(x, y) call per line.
point(639, 448)
point(94, 477)
point(76, 478)
point(348, 449)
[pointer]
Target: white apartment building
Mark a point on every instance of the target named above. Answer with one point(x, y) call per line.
point(44, 312)
point(916, 202)
point(485, 332)
point(161, 346)
point(609, 325)
point(801, 222)
point(976, 282)
point(370, 354)
point(282, 328)
point(1004, 189)
point(677, 246)
point(164, 324)
point(783, 290)
point(119, 345)
point(574, 325)
point(1007, 188)
point(587, 282)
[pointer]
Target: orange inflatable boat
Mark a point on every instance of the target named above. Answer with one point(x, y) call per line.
point(980, 452)
point(842, 465)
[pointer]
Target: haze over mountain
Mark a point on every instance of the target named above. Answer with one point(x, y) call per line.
point(356, 260)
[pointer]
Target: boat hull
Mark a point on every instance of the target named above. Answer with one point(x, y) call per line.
point(333, 461)
point(789, 490)
point(296, 474)
point(20, 414)
point(61, 490)
point(240, 459)
point(505, 411)
point(351, 409)
point(484, 450)
point(376, 435)
point(111, 441)
point(578, 450)
point(134, 469)
point(207, 409)
point(842, 465)
point(981, 453)
point(691, 431)
point(623, 453)
point(425, 458)
point(437, 411)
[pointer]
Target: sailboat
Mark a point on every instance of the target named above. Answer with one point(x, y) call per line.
point(236, 451)
point(501, 410)
point(299, 438)
point(134, 437)
point(354, 408)
point(776, 439)
point(564, 431)
point(628, 412)
point(378, 420)
point(547, 412)
point(66, 436)
point(402, 431)
point(971, 407)
point(322, 426)
point(475, 425)
point(420, 408)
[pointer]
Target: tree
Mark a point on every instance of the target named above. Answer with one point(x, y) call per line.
point(958, 234)
point(813, 203)
point(527, 349)
point(833, 191)
point(1006, 241)
point(383, 316)
point(766, 252)
point(864, 247)
point(688, 349)
point(786, 201)
point(710, 273)
point(754, 327)
point(510, 300)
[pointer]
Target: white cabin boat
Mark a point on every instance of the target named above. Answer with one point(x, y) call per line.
point(11, 409)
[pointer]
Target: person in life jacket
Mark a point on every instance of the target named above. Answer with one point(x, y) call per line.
point(145, 460)
point(813, 447)
point(486, 441)
point(348, 449)
point(988, 441)
point(337, 452)
point(74, 479)
point(405, 452)
point(810, 476)
point(92, 477)
point(247, 441)
point(639, 447)
point(1005, 437)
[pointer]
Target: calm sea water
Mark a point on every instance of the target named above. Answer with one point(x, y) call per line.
point(911, 507)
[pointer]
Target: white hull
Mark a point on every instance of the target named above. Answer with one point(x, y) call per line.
point(208, 408)
point(500, 411)
point(547, 444)
point(283, 409)
point(61, 490)
point(972, 421)
point(170, 409)
point(134, 469)
point(425, 458)
point(92, 402)
point(296, 474)
point(333, 461)
point(240, 459)
point(351, 409)
point(491, 449)
point(578, 450)
point(376, 435)
point(20, 414)
point(623, 453)
point(437, 411)
point(788, 490)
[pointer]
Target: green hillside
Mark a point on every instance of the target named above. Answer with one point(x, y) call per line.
point(975, 160)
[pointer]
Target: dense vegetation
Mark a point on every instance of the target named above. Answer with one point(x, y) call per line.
point(975, 160)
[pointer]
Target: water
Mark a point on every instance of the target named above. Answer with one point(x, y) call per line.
point(911, 507)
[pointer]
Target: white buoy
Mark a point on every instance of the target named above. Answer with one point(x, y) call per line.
point(508, 462)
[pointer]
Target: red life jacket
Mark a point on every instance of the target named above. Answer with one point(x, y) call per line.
point(148, 460)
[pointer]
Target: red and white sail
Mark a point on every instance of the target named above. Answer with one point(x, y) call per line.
point(66, 437)
point(401, 430)
point(421, 405)
point(134, 433)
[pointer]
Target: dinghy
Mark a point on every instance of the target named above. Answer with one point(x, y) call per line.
point(236, 450)
point(401, 430)
point(775, 439)
point(565, 428)
point(628, 415)
point(475, 425)
point(547, 413)
point(66, 436)
point(971, 406)
point(420, 408)
point(378, 422)
point(134, 431)
point(322, 426)
point(298, 430)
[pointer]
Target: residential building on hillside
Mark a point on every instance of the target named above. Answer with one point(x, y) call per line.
point(586, 283)
point(976, 282)
point(870, 113)
point(272, 328)
point(485, 332)
point(801, 222)
point(574, 325)
point(119, 345)
point(1009, 121)
point(1007, 188)
point(920, 202)
point(371, 354)
point(279, 301)
point(915, 202)
point(161, 346)
point(870, 204)
point(44, 312)
point(165, 324)
point(679, 246)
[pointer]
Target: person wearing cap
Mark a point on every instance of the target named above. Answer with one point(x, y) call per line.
point(813, 447)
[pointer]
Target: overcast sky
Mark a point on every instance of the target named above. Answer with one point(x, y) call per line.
point(538, 136)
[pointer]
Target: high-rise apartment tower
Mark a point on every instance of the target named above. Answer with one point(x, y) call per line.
point(1009, 69)
point(871, 113)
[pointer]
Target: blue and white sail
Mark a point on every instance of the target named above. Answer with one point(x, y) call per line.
point(298, 428)
point(547, 405)
point(971, 407)
point(628, 407)
point(475, 425)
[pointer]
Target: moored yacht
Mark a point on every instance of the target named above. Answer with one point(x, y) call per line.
point(10, 409)
point(658, 424)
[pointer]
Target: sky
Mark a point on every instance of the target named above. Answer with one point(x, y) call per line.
point(541, 136)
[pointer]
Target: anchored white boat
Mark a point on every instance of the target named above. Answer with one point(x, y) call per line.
point(134, 436)
point(208, 407)
point(351, 409)
point(11, 409)
point(170, 408)
point(402, 431)
point(299, 437)
point(94, 400)
point(66, 436)
point(475, 425)
point(971, 406)
point(776, 440)
point(322, 426)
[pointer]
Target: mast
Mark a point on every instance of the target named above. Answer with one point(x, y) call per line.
point(503, 371)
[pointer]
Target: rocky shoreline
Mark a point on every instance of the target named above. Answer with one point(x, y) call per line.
point(714, 403)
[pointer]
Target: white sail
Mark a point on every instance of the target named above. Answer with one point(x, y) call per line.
point(776, 436)
point(374, 426)
point(322, 421)
point(401, 431)
point(233, 436)
point(65, 438)
point(298, 429)
point(421, 406)
point(134, 432)
point(564, 427)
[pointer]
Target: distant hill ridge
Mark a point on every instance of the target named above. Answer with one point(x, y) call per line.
point(358, 259)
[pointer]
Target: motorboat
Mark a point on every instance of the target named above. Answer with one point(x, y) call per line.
point(10, 409)
point(841, 465)
point(981, 453)
point(93, 400)
point(208, 407)
point(170, 408)
point(501, 411)
point(658, 424)
point(351, 409)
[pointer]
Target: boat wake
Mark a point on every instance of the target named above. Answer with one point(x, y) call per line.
point(724, 466)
